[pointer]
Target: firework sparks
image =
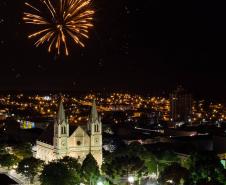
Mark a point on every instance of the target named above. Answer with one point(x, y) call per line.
point(59, 22)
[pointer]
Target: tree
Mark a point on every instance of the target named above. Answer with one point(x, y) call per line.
point(55, 173)
point(123, 167)
point(174, 172)
point(71, 163)
point(90, 170)
point(150, 161)
point(61, 172)
point(130, 160)
point(73, 166)
point(206, 168)
point(135, 148)
point(23, 150)
point(166, 158)
point(30, 167)
point(8, 160)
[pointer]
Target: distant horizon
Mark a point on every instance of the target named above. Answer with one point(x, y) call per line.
point(104, 91)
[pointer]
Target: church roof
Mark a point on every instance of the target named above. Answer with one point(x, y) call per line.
point(72, 128)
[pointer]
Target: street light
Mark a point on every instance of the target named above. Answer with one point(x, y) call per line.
point(131, 179)
point(170, 181)
point(100, 183)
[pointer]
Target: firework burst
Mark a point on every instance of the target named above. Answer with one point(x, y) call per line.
point(59, 21)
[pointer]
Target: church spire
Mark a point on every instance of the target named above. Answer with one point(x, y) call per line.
point(94, 114)
point(61, 112)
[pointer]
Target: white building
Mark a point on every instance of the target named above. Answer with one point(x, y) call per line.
point(61, 139)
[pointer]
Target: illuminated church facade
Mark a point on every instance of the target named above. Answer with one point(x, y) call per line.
point(61, 139)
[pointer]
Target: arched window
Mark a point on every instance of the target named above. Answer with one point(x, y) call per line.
point(96, 128)
point(63, 130)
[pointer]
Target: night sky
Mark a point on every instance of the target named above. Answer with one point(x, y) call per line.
point(136, 45)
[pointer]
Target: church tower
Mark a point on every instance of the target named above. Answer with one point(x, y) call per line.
point(61, 133)
point(95, 130)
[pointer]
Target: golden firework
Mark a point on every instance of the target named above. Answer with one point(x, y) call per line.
point(59, 21)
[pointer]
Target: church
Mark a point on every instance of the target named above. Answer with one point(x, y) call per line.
point(62, 139)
